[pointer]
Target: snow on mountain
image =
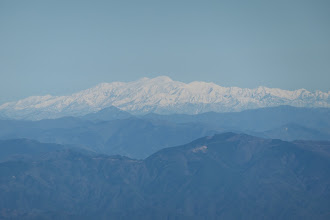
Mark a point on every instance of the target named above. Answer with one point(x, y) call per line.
point(160, 95)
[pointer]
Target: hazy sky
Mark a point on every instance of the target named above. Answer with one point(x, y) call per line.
point(59, 47)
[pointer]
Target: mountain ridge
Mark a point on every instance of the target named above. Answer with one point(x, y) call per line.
point(139, 136)
point(223, 176)
point(160, 95)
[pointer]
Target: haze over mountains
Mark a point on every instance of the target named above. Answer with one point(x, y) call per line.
point(160, 95)
point(238, 130)
point(179, 151)
point(113, 131)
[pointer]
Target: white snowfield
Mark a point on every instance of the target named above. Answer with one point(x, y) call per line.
point(160, 95)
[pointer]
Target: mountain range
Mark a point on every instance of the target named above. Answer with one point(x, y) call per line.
point(161, 149)
point(223, 176)
point(112, 131)
point(160, 95)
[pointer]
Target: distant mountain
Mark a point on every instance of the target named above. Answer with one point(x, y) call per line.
point(160, 95)
point(107, 114)
point(282, 122)
point(140, 137)
point(29, 150)
point(19, 149)
point(262, 119)
point(296, 132)
point(133, 137)
point(226, 176)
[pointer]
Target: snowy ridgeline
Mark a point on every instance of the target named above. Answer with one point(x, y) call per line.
point(160, 95)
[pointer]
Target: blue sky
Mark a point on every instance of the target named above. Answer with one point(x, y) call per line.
point(59, 47)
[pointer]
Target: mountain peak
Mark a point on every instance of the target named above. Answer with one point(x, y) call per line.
point(162, 79)
point(156, 79)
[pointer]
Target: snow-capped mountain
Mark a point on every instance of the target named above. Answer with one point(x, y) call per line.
point(160, 95)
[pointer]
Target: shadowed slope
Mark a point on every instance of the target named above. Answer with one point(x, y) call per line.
point(227, 176)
